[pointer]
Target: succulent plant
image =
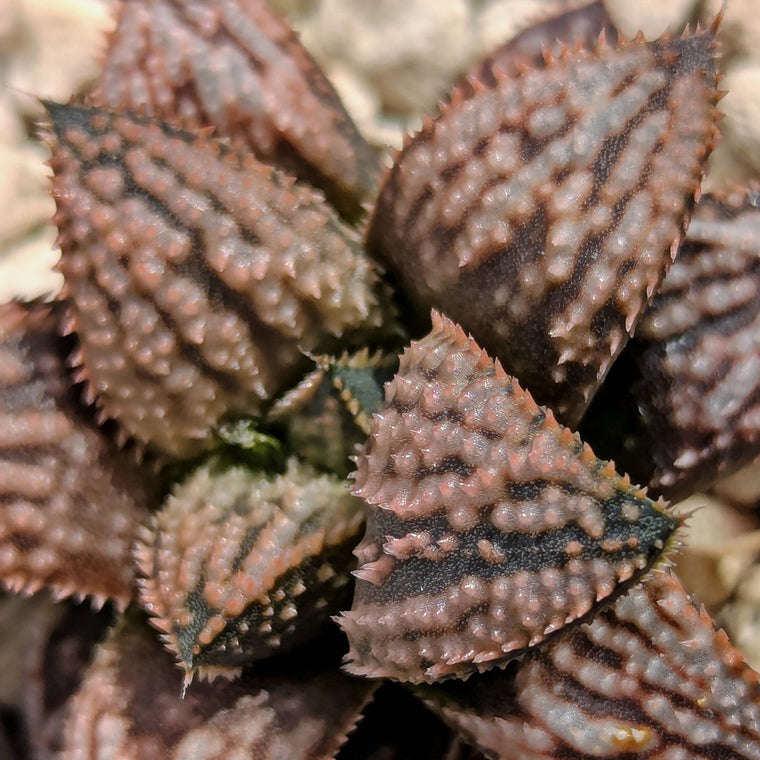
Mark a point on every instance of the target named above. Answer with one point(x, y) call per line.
point(490, 526)
point(238, 565)
point(180, 421)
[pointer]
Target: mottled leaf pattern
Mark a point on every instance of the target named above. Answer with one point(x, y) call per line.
point(129, 708)
point(239, 565)
point(489, 526)
point(196, 275)
point(236, 66)
point(650, 678)
point(698, 350)
point(71, 503)
point(541, 209)
point(541, 212)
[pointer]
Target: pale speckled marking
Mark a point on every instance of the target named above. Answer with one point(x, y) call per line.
point(543, 211)
point(650, 678)
point(238, 565)
point(304, 716)
point(236, 66)
point(196, 275)
point(489, 526)
point(71, 503)
point(698, 350)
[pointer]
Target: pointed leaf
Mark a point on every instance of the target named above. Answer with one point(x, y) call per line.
point(698, 350)
point(71, 502)
point(196, 275)
point(239, 565)
point(489, 526)
point(651, 678)
point(543, 211)
point(532, 47)
point(129, 708)
point(237, 67)
point(326, 416)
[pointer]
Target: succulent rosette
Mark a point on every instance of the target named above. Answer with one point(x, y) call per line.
point(253, 308)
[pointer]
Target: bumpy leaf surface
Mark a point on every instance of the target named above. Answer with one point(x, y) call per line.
point(577, 28)
point(71, 502)
point(650, 678)
point(237, 67)
point(489, 525)
point(129, 708)
point(698, 350)
point(542, 208)
point(239, 565)
point(196, 275)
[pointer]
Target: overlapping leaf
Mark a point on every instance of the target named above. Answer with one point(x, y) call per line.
point(237, 67)
point(71, 503)
point(648, 678)
point(542, 208)
point(489, 525)
point(195, 275)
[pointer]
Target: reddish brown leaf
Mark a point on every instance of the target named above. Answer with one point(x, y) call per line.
point(650, 678)
point(542, 212)
point(577, 28)
point(698, 350)
point(129, 708)
point(196, 275)
point(71, 503)
point(489, 526)
point(239, 565)
point(236, 66)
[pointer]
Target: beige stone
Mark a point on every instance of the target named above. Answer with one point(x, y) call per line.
point(740, 29)
point(720, 544)
point(499, 20)
point(59, 44)
point(362, 101)
point(12, 128)
point(10, 19)
point(725, 169)
point(741, 618)
point(410, 50)
point(741, 127)
point(652, 17)
point(24, 185)
point(743, 487)
point(26, 267)
point(49, 50)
